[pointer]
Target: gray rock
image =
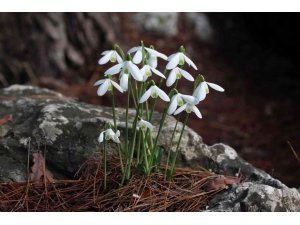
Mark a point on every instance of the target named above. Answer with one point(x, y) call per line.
point(161, 23)
point(256, 197)
point(67, 131)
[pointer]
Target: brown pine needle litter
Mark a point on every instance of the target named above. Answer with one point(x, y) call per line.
point(189, 190)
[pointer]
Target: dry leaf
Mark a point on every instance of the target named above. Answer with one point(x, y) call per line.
point(38, 170)
point(5, 119)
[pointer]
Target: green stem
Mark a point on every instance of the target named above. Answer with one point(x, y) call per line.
point(104, 159)
point(158, 133)
point(145, 154)
point(147, 111)
point(116, 128)
point(133, 96)
point(169, 148)
point(128, 167)
point(127, 108)
point(120, 51)
point(177, 147)
point(138, 149)
point(132, 144)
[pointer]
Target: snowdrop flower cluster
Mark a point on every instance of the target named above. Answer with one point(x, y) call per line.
point(136, 82)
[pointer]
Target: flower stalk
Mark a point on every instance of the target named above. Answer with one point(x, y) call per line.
point(104, 164)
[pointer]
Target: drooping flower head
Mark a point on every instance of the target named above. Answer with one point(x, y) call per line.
point(178, 100)
point(107, 85)
point(144, 125)
point(109, 135)
point(179, 58)
point(177, 73)
point(148, 70)
point(203, 89)
point(154, 92)
point(152, 55)
point(189, 107)
point(126, 67)
point(110, 55)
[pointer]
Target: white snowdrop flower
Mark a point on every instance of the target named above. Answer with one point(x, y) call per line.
point(154, 92)
point(147, 72)
point(144, 125)
point(110, 55)
point(177, 73)
point(124, 81)
point(179, 59)
point(179, 100)
point(202, 90)
point(109, 135)
point(153, 54)
point(126, 67)
point(188, 107)
point(107, 85)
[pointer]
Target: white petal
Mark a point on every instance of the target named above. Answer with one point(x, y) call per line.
point(152, 61)
point(186, 75)
point(138, 56)
point(163, 56)
point(197, 112)
point(116, 139)
point(216, 87)
point(105, 58)
point(180, 109)
point(158, 73)
point(162, 94)
point(119, 59)
point(103, 88)
point(134, 49)
point(134, 71)
point(154, 53)
point(116, 85)
point(190, 62)
point(139, 124)
point(147, 124)
point(172, 56)
point(144, 70)
point(173, 62)
point(171, 78)
point(200, 91)
point(118, 133)
point(189, 99)
point(109, 132)
point(100, 138)
point(173, 105)
point(99, 82)
point(105, 52)
point(115, 69)
point(124, 82)
point(146, 95)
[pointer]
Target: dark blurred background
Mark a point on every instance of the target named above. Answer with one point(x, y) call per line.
point(254, 56)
